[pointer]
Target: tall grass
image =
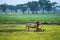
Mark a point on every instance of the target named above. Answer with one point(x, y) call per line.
point(30, 17)
point(52, 32)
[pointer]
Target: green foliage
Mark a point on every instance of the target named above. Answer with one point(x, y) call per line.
point(33, 6)
point(22, 7)
point(3, 7)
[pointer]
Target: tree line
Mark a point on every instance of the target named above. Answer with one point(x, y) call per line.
point(33, 6)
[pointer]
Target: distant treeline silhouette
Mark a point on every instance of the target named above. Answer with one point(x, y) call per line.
point(34, 7)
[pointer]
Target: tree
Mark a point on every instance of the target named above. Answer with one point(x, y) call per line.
point(11, 7)
point(3, 7)
point(22, 7)
point(44, 4)
point(48, 6)
point(33, 6)
point(54, 6)
point(0, 7)
point(15, 8)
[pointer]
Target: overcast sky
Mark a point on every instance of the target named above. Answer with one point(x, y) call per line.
point(15, 2)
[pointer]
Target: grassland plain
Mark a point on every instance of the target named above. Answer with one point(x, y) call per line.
point(52, 32)
point(30, 17)
point(18, 31)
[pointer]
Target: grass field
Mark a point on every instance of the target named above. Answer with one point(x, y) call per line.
point(52, 32)
point(30, 17)
point(18, 31)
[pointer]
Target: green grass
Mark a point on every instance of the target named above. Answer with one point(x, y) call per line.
point(30, 18)
point(52, 32)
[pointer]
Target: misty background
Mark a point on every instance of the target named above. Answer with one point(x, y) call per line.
point(15, 2)
point(30, 6)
